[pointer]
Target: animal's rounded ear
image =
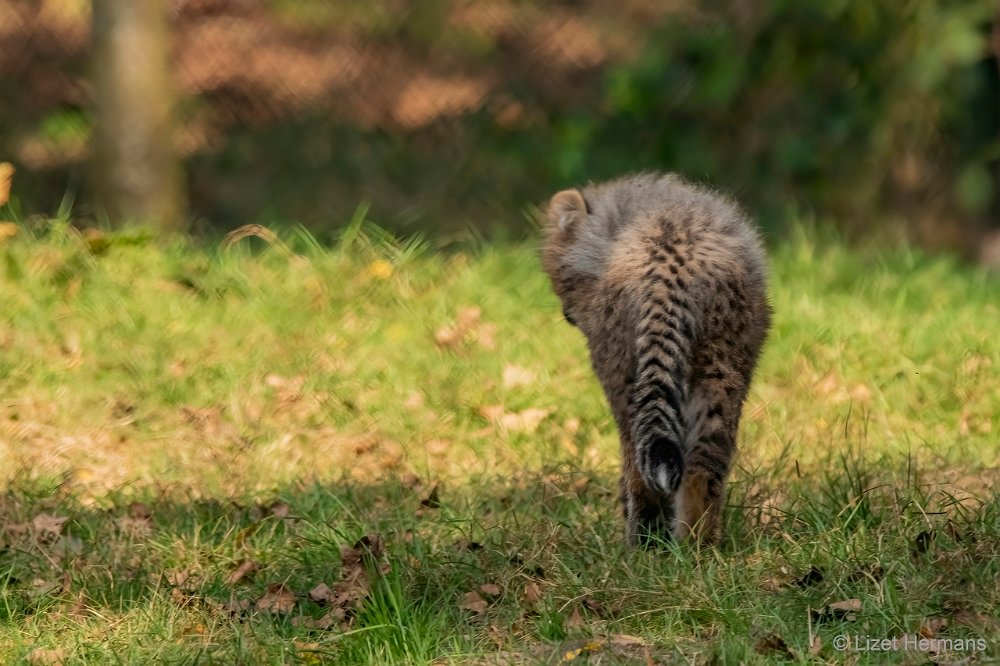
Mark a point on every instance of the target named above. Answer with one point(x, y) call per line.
point(566, 209)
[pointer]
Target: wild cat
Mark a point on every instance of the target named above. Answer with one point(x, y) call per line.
point(668, 282)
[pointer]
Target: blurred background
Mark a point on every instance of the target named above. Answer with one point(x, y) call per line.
point(879, 117)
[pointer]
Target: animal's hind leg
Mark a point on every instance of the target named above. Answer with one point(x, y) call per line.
point(715, 413)
point(649, 518)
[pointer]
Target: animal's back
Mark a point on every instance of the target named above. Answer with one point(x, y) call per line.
point(668, 282)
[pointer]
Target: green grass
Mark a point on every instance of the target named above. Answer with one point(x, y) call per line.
point(187, 408)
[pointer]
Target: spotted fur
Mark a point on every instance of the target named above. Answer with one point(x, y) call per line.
point(667, 281)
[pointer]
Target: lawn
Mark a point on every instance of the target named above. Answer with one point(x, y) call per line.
point(278, 451)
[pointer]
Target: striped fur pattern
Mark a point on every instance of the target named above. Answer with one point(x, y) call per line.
point(667, 281)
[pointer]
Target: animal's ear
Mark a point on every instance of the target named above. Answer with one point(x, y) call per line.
point(567, 208)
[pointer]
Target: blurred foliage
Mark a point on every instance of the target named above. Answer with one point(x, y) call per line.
point(839, 107)
point(449, 114)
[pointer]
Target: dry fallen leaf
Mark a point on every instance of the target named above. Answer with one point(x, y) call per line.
point(575, 620)
point(447, 336)
point(515, 376)
point(45, 523)
point(526, 420)
point(321, 593)
point(467, 326)
point(414, 401)
point(40, 656)
point(486, 336)
point(356, 562)
point(627, 640)
point(490, 589)
point(279, 509)
point(276, 599)
point(139, 511)
point(468, 317)
point(847, 605)
point(236, 606)
point(471, 601)
point(532, 593)
point(246, 569)
point(437, 447)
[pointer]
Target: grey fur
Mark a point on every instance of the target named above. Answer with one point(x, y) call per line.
point(667, 280)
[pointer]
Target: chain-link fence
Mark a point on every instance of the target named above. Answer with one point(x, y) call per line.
point(445, 114)
point(305, 109)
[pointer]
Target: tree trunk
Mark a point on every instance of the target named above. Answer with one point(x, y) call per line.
point(137, 173)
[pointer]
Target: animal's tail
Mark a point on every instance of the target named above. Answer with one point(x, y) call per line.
point(664, 346)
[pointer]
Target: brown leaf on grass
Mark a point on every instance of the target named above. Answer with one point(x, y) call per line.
point(526, 420)
point(515, 376)
point(467, 326)
point(321, 593)
point(279, 509)
point(276, 599)
point(246, 569)
point(183, 578)
point(139, 511)
point(846, 606)
point(47, 524)
point(772, 584)
point(932, 626)
point(490, 589)
point(437, 447)
point(773, 645)
point(236, 606)
point(134, 526)
point(365, 558)
point(575, 619)
point(532, 593)
point(447, 337)
point(845, 610)
point(46, 657)
point(815, 645)
point(471, 601)
point(627, 640)
point(486, 336)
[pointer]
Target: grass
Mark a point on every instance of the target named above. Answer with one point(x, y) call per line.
point(170, 412)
